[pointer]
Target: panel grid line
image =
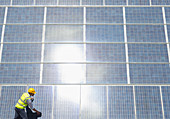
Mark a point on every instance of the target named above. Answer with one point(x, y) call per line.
point(57, 2)
point(126, 46)
point(127, 2)
point(34, 2)
point(104, 2)
point(150, 1)
point(162, 102)
point(84, 37)
point(85, 5)
point(3, 32)
point(134, 98)
point(80, 104)
point(11, 2)
point(42, 50)
point(166, 33)
point(80, 2)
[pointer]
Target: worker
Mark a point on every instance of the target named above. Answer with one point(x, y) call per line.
point(23, 102)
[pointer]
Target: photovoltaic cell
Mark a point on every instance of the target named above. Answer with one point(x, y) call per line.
point(69, 2)
point(145, 33)
point(5, 2)
point(166, 100)
point(19, 73)
point(43, 100)
point(149, 73)
point(66, 102)
point(92, 2)
point(21, 53)
point(105, 52)
point(167, 14)
point(23, 33)
point(2, 12)
point(22, 2)
point(104, 33)
point(46, 2)
point(148, 102)
point(9, 97)
point(148, 53)
point(121, 102)
point(25, 15)
point(64, 33)
point(144, 15)
point(0, 32)
point(65, 15)
point(63, 73)
point(168, 30)
point(93, 102)
point(138, 2)
point(106, 74)
point(104, 15)
point(64, 52)
point(115, 2)
point(160, 2)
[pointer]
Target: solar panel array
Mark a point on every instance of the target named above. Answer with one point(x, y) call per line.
point(86, 59)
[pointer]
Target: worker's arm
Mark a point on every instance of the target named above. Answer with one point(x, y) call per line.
point(29, 102)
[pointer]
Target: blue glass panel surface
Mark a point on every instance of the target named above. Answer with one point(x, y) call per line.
point(43, 100)
point(0, 32)
point(21, 53)
point(144, 15)
point(148, 53)
point(66, 102)
point(148, 102)
point(19, 73)
point(2, 12)
point(106, 74)
point(64, 33)
point(121, 102)
point(149, 73)
point(46, 2)
point(104, 33)
point(63, 73)
point(5, 2)
point(166, 101)
point(23, 33)
point(93, 102)
point(105, 52)
point(65, 15)
point(9, 97)
point(25, 15)
point(160, 2)
point(64, 52)
point(138, 2)
point(145, 33)
point(167, 14)
point(92, 2)
point(69, 2)
point(168, 30)
point(22, 2)
point(104, 15)
point(115, 2)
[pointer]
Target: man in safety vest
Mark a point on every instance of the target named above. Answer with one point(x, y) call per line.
point(23, 102)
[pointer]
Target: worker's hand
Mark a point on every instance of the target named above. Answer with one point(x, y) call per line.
point(38, 113)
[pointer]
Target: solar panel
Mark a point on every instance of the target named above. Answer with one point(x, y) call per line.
point(149, 73)
point(121, 102)
point(22, 2)
point(160, 2)
point(106, 74)
point(46, 2)
point(5, 2)
point(104, 33)
point(138, 2)
point(93, 100)
point(115, 2)
point(104, 15)
point(69, 2)
point(92, 2)
point(2, 12)
point(23, 33)
point(64, 33)
point(148, 102)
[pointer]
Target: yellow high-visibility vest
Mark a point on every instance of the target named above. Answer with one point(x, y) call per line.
point(22, 102)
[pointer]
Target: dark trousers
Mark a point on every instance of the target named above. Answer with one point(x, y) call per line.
point(20, 114)
point(29, 114)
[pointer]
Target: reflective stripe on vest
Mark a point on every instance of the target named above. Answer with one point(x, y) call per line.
point(22, 102)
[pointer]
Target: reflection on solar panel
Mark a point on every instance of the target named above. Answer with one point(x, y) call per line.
point(86, 59)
